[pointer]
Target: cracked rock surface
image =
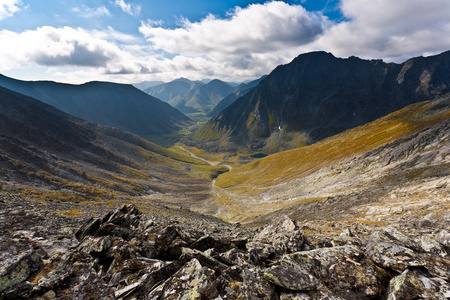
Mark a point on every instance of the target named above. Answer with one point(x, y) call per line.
point(127, 254)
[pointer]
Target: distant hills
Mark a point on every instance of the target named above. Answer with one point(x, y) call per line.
point(318, 95)
point(53, 155)
point(143, 85)
point(118, 105)
point(194, 97)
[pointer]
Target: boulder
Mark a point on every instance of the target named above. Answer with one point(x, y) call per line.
point(430, 244)
point(283, 235)
point(411, 284)
point(344, 269)
point(18, 269)
point(291, 276)
point(444, 238)
point(255, 286)
point(393, 256)
point(193, 281)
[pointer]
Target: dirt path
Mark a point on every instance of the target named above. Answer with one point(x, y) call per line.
point(211, 163)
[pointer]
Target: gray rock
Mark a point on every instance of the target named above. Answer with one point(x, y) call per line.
point(18, 269)
point(431, 245)
point(345, 270)
point(255, 286)
point(190, 282)
point(444, 238)
point(283, 235)
point(393, 256)
point(412, 284)
point(291, 276)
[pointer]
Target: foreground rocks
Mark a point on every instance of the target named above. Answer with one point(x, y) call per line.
point(126, 254)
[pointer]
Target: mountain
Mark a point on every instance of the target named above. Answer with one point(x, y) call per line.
point(111, 104)
point(399, 163)
point(318, 95)
point(192, 97)
point(239, 91)
point(146, 84)
point(202, 98)
point(48, 155)
point(173, 89)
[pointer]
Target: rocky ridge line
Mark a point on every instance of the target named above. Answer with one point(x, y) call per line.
point(126, 254)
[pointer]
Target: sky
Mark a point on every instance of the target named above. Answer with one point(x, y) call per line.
point(131, 41)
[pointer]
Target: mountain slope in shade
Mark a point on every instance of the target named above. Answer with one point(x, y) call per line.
point(117, 105)
point(49, 155)
point(318, 95)
point(396, 163)
point(240, 91)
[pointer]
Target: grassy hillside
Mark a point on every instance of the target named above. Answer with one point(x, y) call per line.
point(292, 177)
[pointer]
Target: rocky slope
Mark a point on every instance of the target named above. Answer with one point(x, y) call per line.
point(318, 95)
point(118, 105)
point(125, 254)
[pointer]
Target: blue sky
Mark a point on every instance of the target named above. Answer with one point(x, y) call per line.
point(132, 41)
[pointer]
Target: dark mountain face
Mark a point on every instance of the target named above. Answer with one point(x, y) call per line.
point(117, 105)
point(318, 95)
point(240, 91)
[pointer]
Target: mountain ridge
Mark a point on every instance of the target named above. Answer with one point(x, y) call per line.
point(318, 95)
point(105, 103)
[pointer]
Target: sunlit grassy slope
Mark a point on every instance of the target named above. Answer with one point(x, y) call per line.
point(294, 177)
point(288, 165)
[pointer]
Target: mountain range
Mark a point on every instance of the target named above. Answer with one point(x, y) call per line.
point(318, 95)
point(194, 97)
point(118, 105)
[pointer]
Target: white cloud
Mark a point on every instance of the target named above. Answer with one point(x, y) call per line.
point(51, 46)
point(248, 42)
point(89, 12)
point(9, 8)
point(131, 9)
point(392, 30)
point(245, 44)
point(256, 29)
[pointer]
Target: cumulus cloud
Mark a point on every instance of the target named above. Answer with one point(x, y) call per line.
point(131, 9)
point(392, 30)
point(51, 46)
point(89, 12)
point(9, 8)
point(247, 43)
point(257, 28)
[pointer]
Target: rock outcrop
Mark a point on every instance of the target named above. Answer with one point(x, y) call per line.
point(126, 254)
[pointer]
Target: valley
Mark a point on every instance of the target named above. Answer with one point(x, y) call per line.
point(259, 178)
